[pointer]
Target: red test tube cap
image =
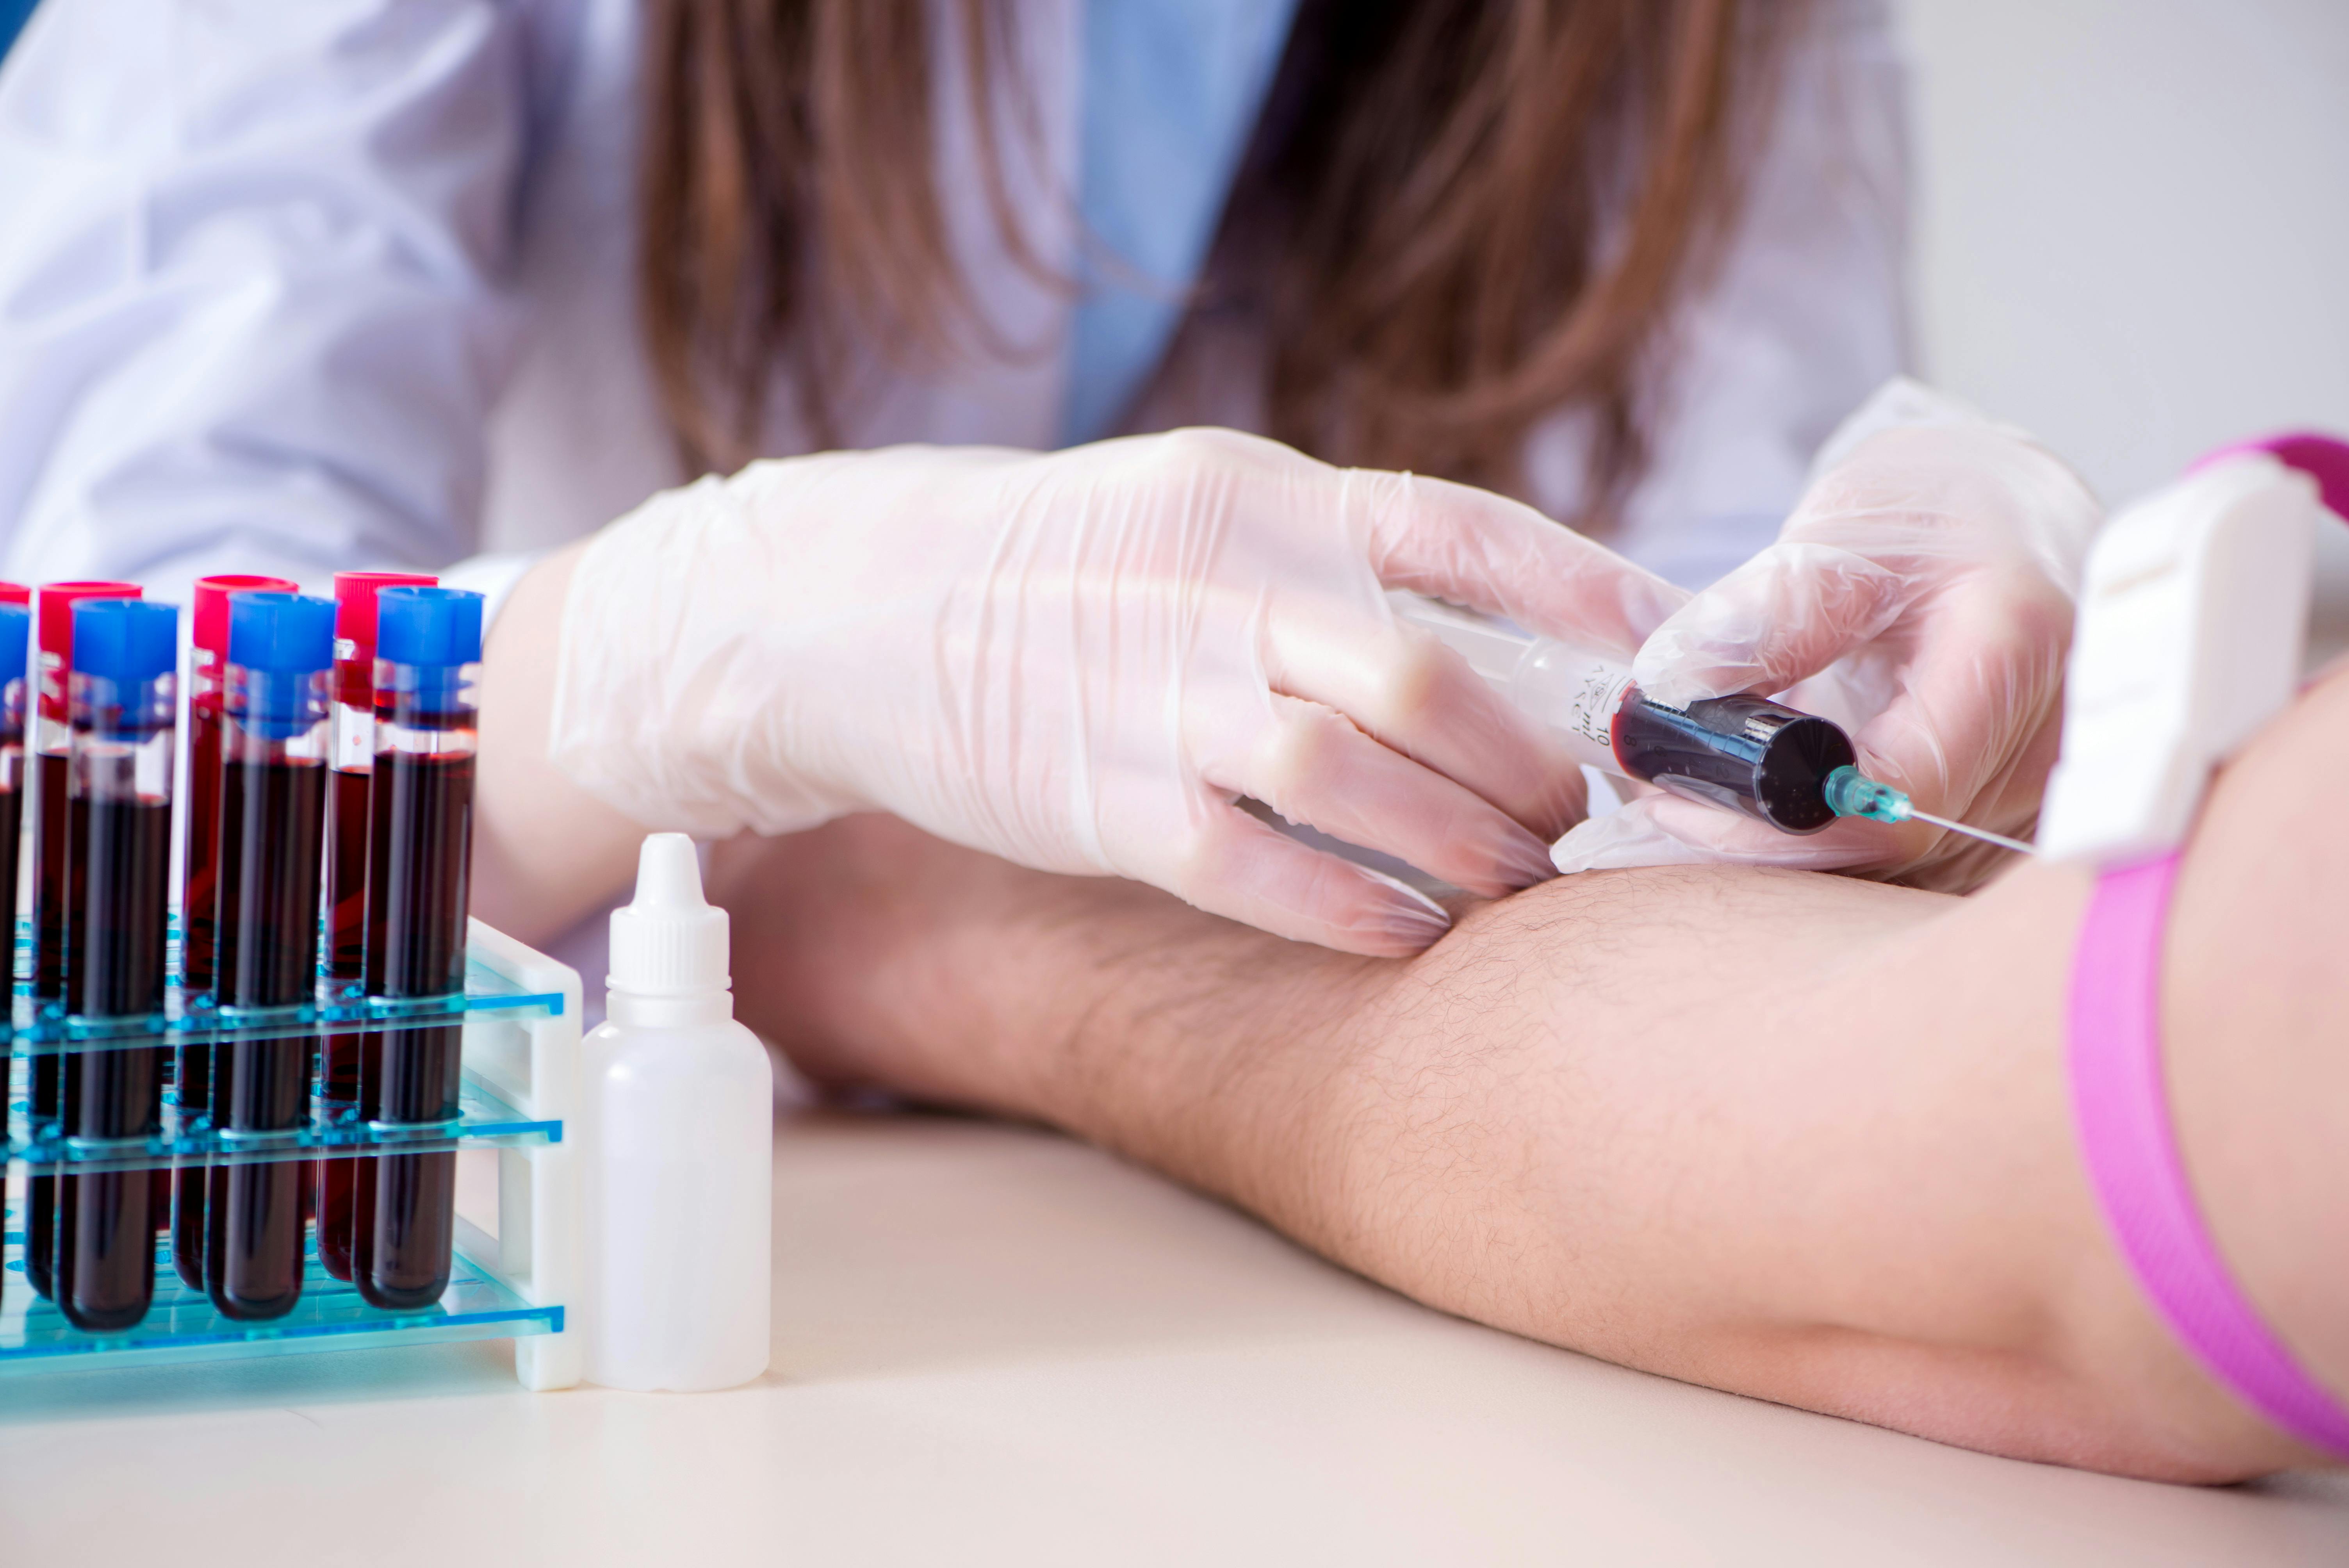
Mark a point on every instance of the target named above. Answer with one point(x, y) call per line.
point(54, 615)
point(53, 633)
point(355, 606)
point(15, 593)
point(208, 623)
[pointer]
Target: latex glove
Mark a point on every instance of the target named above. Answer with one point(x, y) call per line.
point(1921, 596)
point(1079, 660)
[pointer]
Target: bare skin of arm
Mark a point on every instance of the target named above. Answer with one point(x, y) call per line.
point(1795, 1136)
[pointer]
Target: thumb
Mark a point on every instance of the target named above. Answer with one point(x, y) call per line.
point(1787, 614)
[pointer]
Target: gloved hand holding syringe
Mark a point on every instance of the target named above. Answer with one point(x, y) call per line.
point(1794, 770)
point(1920, 597)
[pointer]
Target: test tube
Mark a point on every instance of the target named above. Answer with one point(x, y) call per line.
point(124, 706)
point(347, 867)
point(1744, 754)
point(200, 892)
point(428, 648)
point(273, 750)
point(15, 637)
point(52, 732)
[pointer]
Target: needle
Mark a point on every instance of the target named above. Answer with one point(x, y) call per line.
point(1850, 793)
point(1985, 834)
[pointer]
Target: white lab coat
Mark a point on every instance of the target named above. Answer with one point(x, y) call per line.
point(301, 287)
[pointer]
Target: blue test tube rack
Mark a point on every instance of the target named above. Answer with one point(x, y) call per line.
point(520, 1014)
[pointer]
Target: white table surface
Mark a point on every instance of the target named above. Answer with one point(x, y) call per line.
point(992, 1344)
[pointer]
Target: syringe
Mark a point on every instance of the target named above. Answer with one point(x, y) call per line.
point(1795, 770)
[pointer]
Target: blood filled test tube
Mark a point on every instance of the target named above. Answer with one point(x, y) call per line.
point(208, 634)
point(420, 817)
point(347, 865)
point(16, 639)
point(208, 657)
point(124, 708)
point(273, 744)
point(51, 740)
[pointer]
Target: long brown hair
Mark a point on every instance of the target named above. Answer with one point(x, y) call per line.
point(1477, 212)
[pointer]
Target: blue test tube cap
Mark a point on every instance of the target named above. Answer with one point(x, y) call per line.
point(282, 641)
point(281, 633)
point(432, 626)
point(127, 640)
point(15, 641)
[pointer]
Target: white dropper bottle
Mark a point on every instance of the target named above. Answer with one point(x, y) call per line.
point(678, 1121)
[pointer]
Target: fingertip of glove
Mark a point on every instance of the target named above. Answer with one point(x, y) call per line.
point(1403, 920)
point(1523, 863)
point(1681, 686)
point(1583, 848)
point(1676, 668)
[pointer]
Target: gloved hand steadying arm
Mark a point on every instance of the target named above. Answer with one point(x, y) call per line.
point(1921, 596)
point(1079, 660)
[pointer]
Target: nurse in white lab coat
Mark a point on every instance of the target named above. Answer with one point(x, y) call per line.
point(355, 283)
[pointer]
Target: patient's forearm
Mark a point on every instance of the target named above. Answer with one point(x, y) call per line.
point(1800, 1137)
point(1608, 1115)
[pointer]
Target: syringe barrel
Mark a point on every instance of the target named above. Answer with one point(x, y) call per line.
point(1744, 754)
point(1748, 753)
point(1576, 692)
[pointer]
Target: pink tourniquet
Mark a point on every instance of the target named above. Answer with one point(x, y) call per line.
point(2122, 1107)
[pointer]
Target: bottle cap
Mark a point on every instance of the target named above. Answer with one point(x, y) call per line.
point(671, 942)
point(355, 595)
point(125, 641)
point(279, 644)
point(55, 604)
point(281, 631)
point(52, 624)
point(208, 617)
point(428, 625)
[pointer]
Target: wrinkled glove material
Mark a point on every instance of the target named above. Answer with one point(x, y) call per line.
point(1079, 661)
point(1920, 595)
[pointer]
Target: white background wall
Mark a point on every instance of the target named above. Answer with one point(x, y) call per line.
point(2134, 220)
